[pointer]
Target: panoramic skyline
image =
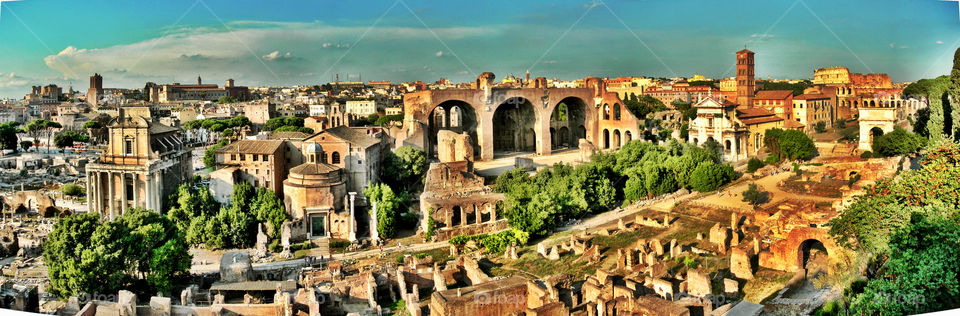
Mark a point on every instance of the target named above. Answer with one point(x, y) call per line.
point(307, 42)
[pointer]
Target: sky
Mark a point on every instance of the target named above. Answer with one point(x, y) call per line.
point(295, 42)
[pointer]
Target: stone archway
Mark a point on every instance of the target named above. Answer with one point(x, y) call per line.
point(454, 115)
point(807, 249)
point(513, 126)
point(606, 139)
point(788, 254)
point(616, 138)
point(569, 119)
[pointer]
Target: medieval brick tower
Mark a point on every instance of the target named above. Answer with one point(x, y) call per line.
point(95, 90)
point(746, 86)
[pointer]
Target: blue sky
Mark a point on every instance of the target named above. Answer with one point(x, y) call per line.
point(306, 42)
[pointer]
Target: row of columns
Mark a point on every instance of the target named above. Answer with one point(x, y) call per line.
point(115, 192)
point(476, 211)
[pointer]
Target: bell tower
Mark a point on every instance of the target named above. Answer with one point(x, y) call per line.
point(746, 85)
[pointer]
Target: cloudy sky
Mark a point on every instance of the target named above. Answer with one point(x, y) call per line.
point(307, 42)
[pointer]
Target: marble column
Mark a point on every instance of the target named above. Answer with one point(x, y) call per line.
point(123, 194)
point(150, 199)
point(374, 218)
point(353, 219)
point(135, 178)
point(159, 192)
point(110, 193)
point(89, 192)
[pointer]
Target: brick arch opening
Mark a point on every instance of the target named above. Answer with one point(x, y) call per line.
point(807, 248)
point(569, 120)
point(455, 115)
point(513, 126)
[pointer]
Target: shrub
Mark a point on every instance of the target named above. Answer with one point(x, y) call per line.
point(866, 155)
point(73, 190)
point(820, 127)
point(754, 164)
point(772, 159)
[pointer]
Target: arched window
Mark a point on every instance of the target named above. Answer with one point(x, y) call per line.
point(335, 158)
point(606, 111)
point(455, 119)
point(616, 111)
point(439, 118)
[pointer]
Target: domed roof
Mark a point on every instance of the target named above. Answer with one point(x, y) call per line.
point(314, 169)
point(313, 148)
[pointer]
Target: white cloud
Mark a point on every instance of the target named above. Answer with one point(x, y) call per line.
point(226, 53)
point(939, 42)
point(439, 54)
point(275, 55)
point(12, 80)
point(893, 45)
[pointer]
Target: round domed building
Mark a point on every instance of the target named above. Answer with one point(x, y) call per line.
point(314, 196)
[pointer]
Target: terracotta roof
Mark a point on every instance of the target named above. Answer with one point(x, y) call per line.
point(761, 120)
point(792, 124)
point(247, 146)
point(289, 135)
point(753, 112)
point(314, 169)
point(811, 96)
point(360, 136)
point(773, 94)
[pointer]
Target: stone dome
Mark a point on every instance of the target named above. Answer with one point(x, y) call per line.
point(313, 148)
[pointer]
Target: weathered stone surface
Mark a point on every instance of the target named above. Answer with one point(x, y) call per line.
point(160, 306)
point(731, 287)
point(554, 253)
point(740, 264)
point(453, 147)
point(127, 303)
point(698, 283)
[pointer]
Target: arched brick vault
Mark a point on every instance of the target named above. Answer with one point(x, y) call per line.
point(786, 254)
point(419, 105)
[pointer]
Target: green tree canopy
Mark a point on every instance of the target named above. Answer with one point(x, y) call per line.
point(403, 169)
point(141, 251)
point(922, 275)
point(789, 144)
point(898, 142)
point(709, 176)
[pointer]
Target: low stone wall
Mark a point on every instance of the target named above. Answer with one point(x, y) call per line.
point(446, 233)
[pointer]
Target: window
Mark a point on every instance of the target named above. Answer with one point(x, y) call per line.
point(255, 157)
point(128, 146)
point(241, 157)
point(266, 158)
point(335, 158)
point(233, 157)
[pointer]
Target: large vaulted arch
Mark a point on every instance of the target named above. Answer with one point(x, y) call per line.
point(569, 120)
point(454, 115)
point(514, 123)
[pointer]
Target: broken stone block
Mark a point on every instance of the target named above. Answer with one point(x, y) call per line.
point(160, 306)
point(621, 226)
point(740, 264)
point(698, 283)
point(731, 287)
point(657, 247)
point(127, 303)
point(554, 253)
